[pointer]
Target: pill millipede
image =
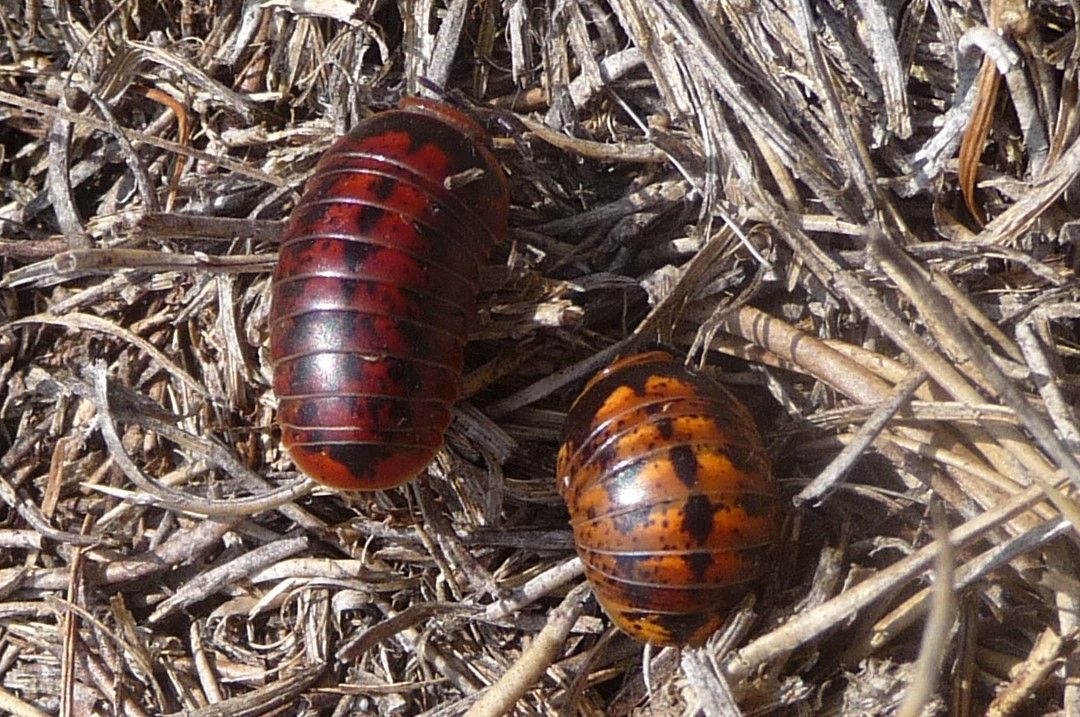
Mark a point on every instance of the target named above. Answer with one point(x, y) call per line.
point(374, 289)
point(671, 498)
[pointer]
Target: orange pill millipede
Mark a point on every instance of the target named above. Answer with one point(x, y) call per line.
point(671, 500)
point(375, 286)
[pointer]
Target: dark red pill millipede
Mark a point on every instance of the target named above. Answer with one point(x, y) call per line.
point(671, 499)
point(374, 289)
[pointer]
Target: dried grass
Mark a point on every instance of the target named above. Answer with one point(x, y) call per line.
point(863, 212)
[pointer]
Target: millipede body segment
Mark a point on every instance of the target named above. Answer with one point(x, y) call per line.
point(374, 291)
point(671, 499)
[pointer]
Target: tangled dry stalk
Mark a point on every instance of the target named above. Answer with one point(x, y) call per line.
point(863, 213)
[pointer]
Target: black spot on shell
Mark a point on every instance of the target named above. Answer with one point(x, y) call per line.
point(382, 188)
point(357, 254)
point(360, 458)
point(682, 627)
point(307, 215)
point(304, 373)
point(685, 463)
point(635, 378)
point(697, 518)
point(347, 291)
point(655, 408)
point(367, 220)
point(699, 564)
point(665, 428)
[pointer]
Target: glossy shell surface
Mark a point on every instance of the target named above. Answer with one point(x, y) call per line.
point(374, 291)
point(671, 499)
